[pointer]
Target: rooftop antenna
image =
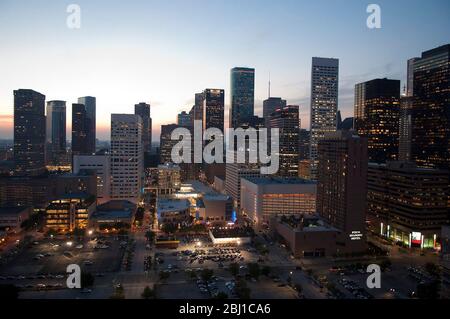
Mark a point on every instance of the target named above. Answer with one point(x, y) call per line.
point(269, 84)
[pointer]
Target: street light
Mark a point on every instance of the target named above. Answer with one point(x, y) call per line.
point(90, 232)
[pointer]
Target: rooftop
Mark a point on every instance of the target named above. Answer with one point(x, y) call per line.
point(278, 181)
point(306, 223)
point(170, 205)
point(12, 210)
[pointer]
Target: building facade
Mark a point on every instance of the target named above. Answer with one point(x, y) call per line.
point(90, 104)
point(242, 95)
point(143, 110)
point(101, 165)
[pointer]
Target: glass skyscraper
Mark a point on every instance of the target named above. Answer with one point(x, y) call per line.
point(90, 103)
point(242, 95)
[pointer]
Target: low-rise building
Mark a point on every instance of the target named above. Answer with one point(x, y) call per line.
point(11, 218)
point(70, 211)
point(114, 213)
point(263, 197)
point(173, 211)
point(306, 235)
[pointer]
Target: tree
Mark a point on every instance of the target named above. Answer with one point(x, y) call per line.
point(254, 270)
point(234, 269)
point(206, 274)
point(432, 269)
point(299, 288)
point(242, 291)
point(148, 293)
point(87, 279)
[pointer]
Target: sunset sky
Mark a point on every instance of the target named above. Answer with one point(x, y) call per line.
point(164, 51)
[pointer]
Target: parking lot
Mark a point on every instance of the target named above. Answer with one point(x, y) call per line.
point(42, 265)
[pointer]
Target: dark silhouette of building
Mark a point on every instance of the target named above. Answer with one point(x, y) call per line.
point(166, 144)
point(89, 103)
point(271, 105)
point(242, 95)
point(430, 135)
point(341, 187)
point(29, 132)
point(213, 109)
point(56, 131)
point(143, 110)
point(288, 122)
point(377, 112)
point(80, 127)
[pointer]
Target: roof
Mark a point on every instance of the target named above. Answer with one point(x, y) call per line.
point(278, 181)
point(12, 210)
point(170, 205)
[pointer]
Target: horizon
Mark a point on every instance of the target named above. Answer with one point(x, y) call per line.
point(138, 53)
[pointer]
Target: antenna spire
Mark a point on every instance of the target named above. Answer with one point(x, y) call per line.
point(269, 85)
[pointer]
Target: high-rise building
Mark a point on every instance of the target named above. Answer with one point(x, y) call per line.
point(101, 165)
point(143, 110)
point(377, 103)
point(56, 130)
point(271, 105)
point(213, 109)
point(430, 136)
point(242, 95)
point(287, 120)
point(405, 128)
point(169, 179)
point(303, 140)
point(184, 119)
point(196, 112)
point(341, 187)
point(127, 157)
point(29, 132)
point(166, 143)
point(91, 124)
point(80, 127)
point(410, 77)
point(408, 204)
point(324, 103)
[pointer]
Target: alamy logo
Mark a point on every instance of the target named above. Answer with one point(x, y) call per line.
point(374, 279)
point(74, 19)
point(208, 147)
point(374, 19)
point(74, 278)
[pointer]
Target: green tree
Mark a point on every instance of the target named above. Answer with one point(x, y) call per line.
point(148, 293)
point(169, 228)
point(150, 235)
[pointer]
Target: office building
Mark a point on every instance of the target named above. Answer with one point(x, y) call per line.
point(271, 105)
point(287, 120)
point(377, 113)
point(405, 128)
point(242, 95)
point(29, 132)
point(70, 212)
point(56, 131)
point(430, 135)
point(89, 103)
point(166, 143)
point(265, 197)
point(143, 110)
point(184, 119)
point(101, 165)
point(213, 109)
point(80, 127)
point(324, 103)
point(341, 187)
point(127, 157)
point(408, 204)
point(169, 179)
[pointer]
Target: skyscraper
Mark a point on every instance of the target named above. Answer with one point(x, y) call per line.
point(430, 135)
point(80, 127)
point(271, 105)
point(91, 123)
point(143, 110)
point(377, 105)
point(324, 103)
point(410, 77)
point(213, 109)
point(242, 95)
point(166, 143)
point(288, 122)
point(29, 132)
point(127, 157)
point(184, 119)
point(341, 187)
point(56, 129)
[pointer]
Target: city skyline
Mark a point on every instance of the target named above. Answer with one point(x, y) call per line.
point(166, 71)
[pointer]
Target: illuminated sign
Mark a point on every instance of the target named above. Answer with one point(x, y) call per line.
point(416, 238)
point(356, 235)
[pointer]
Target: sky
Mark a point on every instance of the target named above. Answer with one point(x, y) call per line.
point(164, 51)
